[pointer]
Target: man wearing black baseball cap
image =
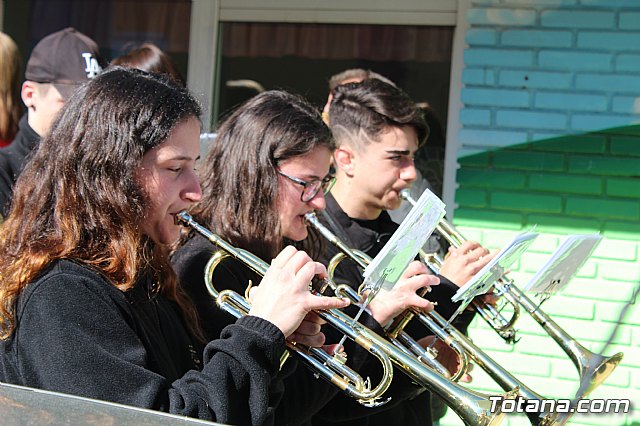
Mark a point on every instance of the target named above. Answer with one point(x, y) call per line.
point(58, 64)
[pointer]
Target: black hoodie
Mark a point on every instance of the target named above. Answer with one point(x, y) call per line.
point(76, 333)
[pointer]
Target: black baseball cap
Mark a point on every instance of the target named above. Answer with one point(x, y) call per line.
point(66, 58)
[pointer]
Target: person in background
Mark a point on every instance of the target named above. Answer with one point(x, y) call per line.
point(57, 66)
point(149, 57)
point(378, 130)
point(89, 303)
point(10, 104)
point(425, 175)
point(352, 75)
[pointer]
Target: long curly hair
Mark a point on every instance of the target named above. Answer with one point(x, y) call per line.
point(239, 173)
point(78, 198)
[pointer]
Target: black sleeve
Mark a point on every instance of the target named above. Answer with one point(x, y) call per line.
point(442, 293)
point(75, 336)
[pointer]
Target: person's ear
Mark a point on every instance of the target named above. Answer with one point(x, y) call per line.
point(344, 158)
point(325, 110)
point(29, 94)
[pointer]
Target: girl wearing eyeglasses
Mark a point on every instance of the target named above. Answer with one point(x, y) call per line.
point(268, 167)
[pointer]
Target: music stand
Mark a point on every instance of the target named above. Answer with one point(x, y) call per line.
point(405, 243)
point(563, 264)
point(496, 268)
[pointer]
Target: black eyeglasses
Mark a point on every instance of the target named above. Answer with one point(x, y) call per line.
point(311, 188)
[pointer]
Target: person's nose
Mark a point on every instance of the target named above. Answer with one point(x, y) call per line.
point(408, 171)
point(318, 202)
point(192, 191)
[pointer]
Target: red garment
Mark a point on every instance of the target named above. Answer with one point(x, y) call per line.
point(4, 142)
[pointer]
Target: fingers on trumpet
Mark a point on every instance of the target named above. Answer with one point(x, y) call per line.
point(308, 333)
point(283, 296)
point(462, 263)
point(466, 377)
point(404, 295)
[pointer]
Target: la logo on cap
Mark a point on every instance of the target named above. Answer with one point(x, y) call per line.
point(92, 68)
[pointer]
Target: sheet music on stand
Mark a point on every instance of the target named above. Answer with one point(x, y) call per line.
point(496, 268)
point(403, 246)
point(405, 243)
point(563, 264)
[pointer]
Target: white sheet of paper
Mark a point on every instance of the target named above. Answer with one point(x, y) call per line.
point(387, 267)
point(496, 268)
point(563, 264)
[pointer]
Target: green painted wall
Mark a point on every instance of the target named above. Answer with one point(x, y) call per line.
point(550, 138)
point(579, 184)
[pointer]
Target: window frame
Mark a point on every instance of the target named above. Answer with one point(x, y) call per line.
point(205, 41)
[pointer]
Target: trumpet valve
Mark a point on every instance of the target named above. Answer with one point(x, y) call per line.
point(431, 352)
point(340, 357)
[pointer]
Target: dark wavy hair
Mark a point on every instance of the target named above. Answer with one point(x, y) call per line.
point(149, 57)
point(360, 112)
point(238, 176)
point(78, 198)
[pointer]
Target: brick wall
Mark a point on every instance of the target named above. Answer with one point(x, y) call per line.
point(551, 94)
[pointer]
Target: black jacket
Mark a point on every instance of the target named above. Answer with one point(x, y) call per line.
point(12, 160)
point(76, 333)
point(370, 237)
point(304, 394)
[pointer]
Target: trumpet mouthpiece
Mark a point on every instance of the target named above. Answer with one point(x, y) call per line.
point(310, 218)
point(182, 218)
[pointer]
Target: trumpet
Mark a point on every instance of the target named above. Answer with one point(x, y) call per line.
point(436, 323)
point(473, 407)
point(330, 368)
point(593, 368)
point(398, 337)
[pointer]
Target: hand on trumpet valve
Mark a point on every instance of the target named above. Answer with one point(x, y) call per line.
point(464, 262)
point(389, 303)
point(283, 296)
